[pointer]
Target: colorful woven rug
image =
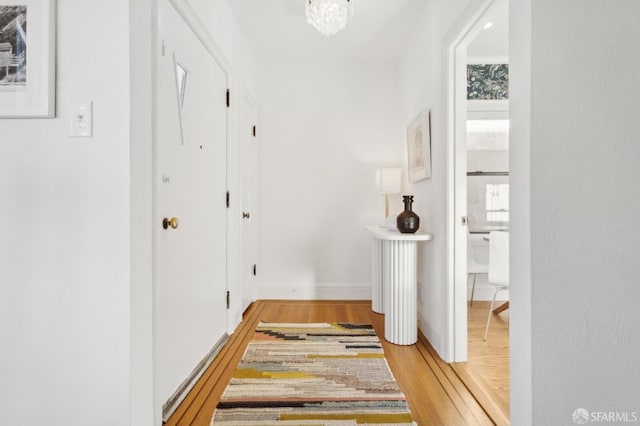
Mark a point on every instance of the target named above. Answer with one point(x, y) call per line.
point(313, 374)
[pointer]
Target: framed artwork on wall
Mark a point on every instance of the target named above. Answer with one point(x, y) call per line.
point(27, 58)
point(419, 147)
point(487, 88)
point(487, 82)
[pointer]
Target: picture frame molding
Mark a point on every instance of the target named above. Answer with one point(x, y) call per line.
point(419, 150)
point(37, 98)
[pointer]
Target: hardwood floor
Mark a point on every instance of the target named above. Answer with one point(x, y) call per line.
point(434, 391)
point(486, 372)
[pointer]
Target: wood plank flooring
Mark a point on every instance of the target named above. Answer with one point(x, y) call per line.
point(486, 372)
point(434, 391)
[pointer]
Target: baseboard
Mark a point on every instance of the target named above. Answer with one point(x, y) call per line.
point(323, 291)
point(432, 334)
point(485, 292)
point(179, 395)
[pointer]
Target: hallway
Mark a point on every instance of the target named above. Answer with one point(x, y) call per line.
point(435, 394)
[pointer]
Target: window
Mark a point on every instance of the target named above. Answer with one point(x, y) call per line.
point(181, 77)
point(497, 202)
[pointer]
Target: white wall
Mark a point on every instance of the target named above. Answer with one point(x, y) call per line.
point(76, 333)
point(64, 257)
point(488, 160)
point(324, 129)
point(422, 86)
point(584, 134)
point(221, 24)
point(520, 320)
point(141, 24)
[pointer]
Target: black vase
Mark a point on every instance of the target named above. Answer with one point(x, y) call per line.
point(408, 222)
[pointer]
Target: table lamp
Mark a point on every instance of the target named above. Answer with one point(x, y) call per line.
point(388, 181)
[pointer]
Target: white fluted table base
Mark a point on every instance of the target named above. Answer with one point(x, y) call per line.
point(395, 282)
point(400, 291)
point(377, 289)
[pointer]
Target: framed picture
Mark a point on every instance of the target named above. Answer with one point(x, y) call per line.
point(27, 58)
point(419, 147)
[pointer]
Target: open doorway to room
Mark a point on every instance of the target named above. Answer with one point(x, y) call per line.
point(479, 183)
point(487, 366)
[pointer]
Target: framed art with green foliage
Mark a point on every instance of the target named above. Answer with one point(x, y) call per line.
point(487, 82)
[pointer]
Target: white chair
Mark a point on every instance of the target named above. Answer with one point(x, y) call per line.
point(498, 267)
point(473, 266)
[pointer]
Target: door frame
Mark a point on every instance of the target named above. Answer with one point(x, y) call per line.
point(455, 49)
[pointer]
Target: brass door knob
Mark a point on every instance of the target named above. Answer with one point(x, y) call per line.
point(246, 215)
point(173, 222)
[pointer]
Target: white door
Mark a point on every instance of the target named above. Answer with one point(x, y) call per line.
point(190, 169)
point(249, 166)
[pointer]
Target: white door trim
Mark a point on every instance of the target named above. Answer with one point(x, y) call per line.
point(455, 45)
point(193, 21)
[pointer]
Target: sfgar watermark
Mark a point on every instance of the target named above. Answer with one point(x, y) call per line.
point(582, 416)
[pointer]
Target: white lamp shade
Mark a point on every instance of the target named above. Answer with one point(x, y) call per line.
point(388, 180)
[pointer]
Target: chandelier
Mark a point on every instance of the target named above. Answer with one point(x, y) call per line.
point(329, 16)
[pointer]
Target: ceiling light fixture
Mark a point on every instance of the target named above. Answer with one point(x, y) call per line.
point(329, 16)
point(487, 25)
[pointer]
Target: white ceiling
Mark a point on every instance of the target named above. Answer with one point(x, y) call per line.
point(493, 42)
point(277, 29)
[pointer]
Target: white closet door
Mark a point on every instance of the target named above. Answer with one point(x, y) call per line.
point(249, 168)
point(190, 261)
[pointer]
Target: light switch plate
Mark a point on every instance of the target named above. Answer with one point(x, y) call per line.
point(82, 119)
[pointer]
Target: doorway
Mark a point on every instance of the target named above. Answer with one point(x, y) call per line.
point(478, 182)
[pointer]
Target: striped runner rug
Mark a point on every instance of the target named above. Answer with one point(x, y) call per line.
point(313, 374)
